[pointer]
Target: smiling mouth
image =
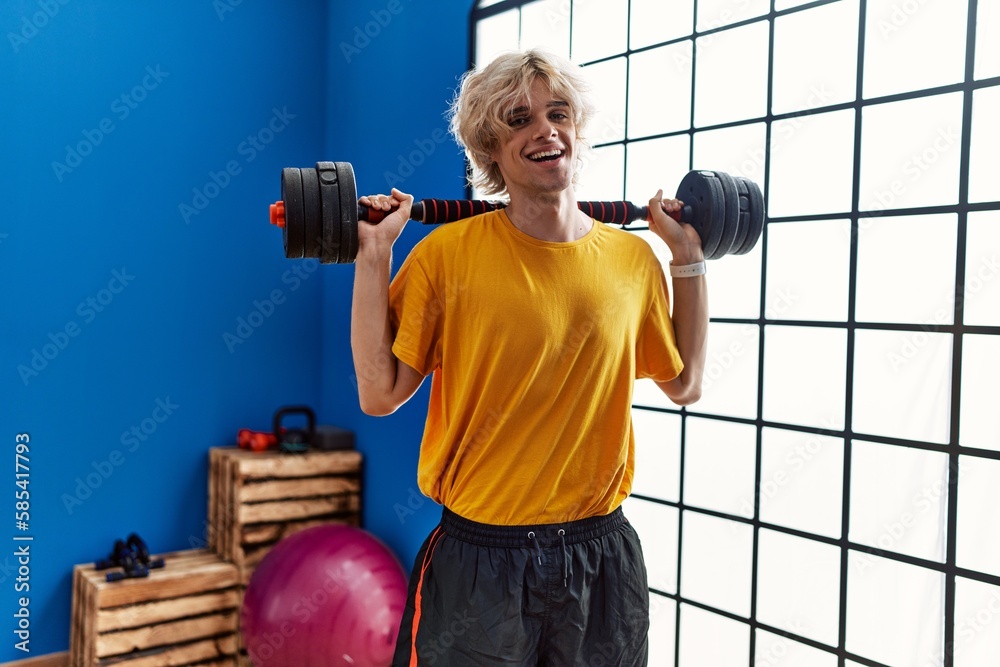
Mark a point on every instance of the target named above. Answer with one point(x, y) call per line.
point(545, 156)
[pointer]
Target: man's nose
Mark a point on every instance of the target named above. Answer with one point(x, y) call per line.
point(544, 129)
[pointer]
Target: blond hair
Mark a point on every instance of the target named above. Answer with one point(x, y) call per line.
point(480, 111)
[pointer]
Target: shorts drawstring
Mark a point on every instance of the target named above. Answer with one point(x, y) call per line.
point(569, 534)
point(565, 553)
point(538, 547)
point(563, 547)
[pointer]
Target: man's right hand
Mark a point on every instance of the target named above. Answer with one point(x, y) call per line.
point(380, 237)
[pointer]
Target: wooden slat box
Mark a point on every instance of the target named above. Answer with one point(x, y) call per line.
point(186, 613)
point(257, 498)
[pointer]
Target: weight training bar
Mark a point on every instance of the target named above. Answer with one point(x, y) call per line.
point(318, 212)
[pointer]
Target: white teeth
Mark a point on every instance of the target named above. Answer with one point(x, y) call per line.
point(539, 156)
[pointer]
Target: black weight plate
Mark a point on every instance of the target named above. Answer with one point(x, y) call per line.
point(743, 187)
point(732, 219)
point(702, 191)
point(311, 213)
point(348, 213)
point(756, 218)
point(329, 189)
point(291, 194)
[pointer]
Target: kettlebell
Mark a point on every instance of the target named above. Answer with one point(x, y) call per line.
point(295, 440)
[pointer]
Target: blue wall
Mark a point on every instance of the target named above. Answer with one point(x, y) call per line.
point(389, 88)
point(148, 310)
point(126, 300)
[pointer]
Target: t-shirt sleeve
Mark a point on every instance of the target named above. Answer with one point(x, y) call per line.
point(656, 351)
point(416, 314)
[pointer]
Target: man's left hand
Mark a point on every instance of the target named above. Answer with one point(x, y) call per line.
point(680, 237)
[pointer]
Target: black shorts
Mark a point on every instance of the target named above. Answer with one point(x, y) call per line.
point(555, 595)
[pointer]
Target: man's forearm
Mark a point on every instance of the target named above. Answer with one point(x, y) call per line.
point(690, 318)
point(371, 333)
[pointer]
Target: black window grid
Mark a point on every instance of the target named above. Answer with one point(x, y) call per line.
point(957, 329)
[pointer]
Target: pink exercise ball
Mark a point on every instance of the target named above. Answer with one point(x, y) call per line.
point(324, 597)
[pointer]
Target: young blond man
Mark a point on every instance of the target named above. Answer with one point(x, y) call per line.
point(534, 322)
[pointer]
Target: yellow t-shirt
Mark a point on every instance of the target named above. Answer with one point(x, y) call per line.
point(534, 347)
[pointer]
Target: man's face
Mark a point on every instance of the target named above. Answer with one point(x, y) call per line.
point(538, 156)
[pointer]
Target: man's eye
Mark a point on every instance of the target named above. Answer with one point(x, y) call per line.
point(517, 122)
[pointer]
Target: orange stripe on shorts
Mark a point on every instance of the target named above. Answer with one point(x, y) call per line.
point(435, 538)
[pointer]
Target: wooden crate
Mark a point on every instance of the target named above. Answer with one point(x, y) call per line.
point(186, 613)
point(257, 498)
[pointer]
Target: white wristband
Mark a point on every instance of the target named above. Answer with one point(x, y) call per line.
point(687, 271)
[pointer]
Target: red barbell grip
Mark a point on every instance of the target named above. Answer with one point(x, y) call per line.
point(438, 211)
